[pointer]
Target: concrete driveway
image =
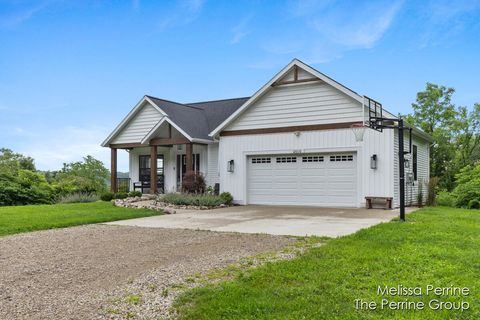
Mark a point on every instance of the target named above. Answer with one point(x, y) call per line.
point(275, 220)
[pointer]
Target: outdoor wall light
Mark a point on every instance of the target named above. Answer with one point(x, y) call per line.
point(373, 162)
point(230, 166)
point(297, 133)
point(407, 163)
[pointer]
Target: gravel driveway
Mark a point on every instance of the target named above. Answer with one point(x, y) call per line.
point(68, 273)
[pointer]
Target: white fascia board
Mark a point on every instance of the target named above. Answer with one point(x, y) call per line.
point(280, 74)
point(178, 129)
point(252, 99)
point(129, 116)
point(202, 141)
point(329, 81)
point(152, 132)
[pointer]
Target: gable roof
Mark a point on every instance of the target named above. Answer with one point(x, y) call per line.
point(218, 110)
point(193, 120)
point(279, 75)
point(129, 117)
point(202, 121)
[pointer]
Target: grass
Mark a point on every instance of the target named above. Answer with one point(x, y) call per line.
point(436, 246)
point(17, 219)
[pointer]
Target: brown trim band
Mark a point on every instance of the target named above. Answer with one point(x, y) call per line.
point(295, 81)
point(327, 126)
point(168, 141)
point(126, 145)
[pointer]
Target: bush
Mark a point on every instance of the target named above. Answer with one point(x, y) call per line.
point(432, 190)
point(468, 186)
point(120, 195)
point(227, 197)
point(474, 204)
point(445, 198)
point(420, 194)
point(79, 197)
point(134, 194)
point(107, 196)
point(193, 182)
point(210, 190)
point(26, 187)
point(182, 199)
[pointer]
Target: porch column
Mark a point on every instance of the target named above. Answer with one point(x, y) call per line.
point(189, 157)
point(113, 170)
point(153, 169)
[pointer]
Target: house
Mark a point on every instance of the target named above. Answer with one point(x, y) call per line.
point(291, 143)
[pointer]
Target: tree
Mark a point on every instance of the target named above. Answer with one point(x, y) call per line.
point(456, 132)
point(435, 114)
point(20, 184)
point(467, 140)
point(89, 175)
point(11, 162)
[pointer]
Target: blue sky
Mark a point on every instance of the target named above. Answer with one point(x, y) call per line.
point(71, 70)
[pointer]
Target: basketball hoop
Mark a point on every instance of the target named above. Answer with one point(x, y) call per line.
point(358, 130)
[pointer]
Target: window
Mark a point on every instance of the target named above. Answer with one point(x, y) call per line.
point(182, 165)
point(338, 158)
point(261, 160)
point(286, 159)
point(144, 167)
point(312, 159)
point(414, 156)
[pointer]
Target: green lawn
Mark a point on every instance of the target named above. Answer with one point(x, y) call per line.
point(436, 246)
point(30, 218)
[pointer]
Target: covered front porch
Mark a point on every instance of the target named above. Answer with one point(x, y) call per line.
point(175, 156)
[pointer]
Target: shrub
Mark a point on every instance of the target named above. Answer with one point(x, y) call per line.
point(79, 197)
point(134, 194)
point(107, 196)
point(474, 204)
point(89, 175)
point(227, 197)
point(182, 199)
point(445, 198)
point(468, 186)
point(432, 190)
point(120, 195)
point(420, 194)
point(26, 187)
point(210, 190)
point(193, 182)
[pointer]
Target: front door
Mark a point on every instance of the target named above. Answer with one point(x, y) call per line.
point(182, 167)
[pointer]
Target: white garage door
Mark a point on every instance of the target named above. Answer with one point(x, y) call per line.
point(307, 179)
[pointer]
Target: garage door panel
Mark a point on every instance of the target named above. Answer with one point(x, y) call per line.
point(303, 180)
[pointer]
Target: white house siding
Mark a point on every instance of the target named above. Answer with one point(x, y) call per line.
point(212, 170)
point(423, 169)
point(145, 119)
point(170, 163)
point(370, 182)
point(299, 104)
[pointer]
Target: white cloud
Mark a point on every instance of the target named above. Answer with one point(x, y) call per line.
point(52, 147)
point(18, 16)
point(241, 30)
point(443, 20)
point(329, 29)
point(183, 13)
point(362, 30)
point(307, 7)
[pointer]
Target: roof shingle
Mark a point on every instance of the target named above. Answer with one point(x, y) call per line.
point(198, 119)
